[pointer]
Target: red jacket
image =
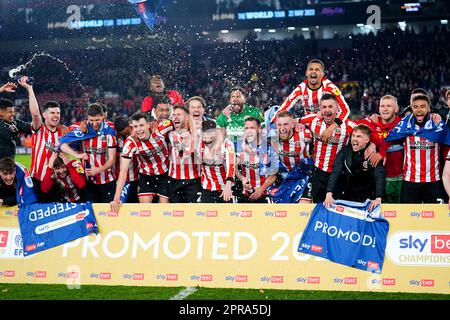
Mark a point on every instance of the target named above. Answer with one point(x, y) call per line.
point(174, 96)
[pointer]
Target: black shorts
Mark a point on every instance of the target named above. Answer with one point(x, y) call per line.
point(427, 192)
point(319, 183)
point(154, 185)
point(209, 196)
point(185, 191)
point(101, 193)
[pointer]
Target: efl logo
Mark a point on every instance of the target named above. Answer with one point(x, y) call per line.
point(315, 248)
point(211, 214)
point(172, 277)
point(277, 279)
point(388, 281)
point(246, 214)
point(177, 213)
point(105, 275)
point(145, 213)
point(30, 247)
point(9, 273)
point(428, 214)
point(40, 274)
point(427, 283)
point(3, 238)
point(138, 276)
point(89, 225)
point(280, 214)
point(340, 208)
point(390, 214)
point(242, 278)
point(206, 277)
point(373, 265)
point(350, 280)
point(440, 243)
point(313, 280)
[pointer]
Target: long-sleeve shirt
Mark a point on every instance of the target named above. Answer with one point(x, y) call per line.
point(355, 177)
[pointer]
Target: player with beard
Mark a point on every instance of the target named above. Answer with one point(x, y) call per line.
point(251, 156)
point(162, 110)
point(184, 168)
point(232, 119)
point(421, 170)
point(158, 90)
point(291, 147)
point(99, 153)
point(218, 165)
point(309, 93)
point(45, 137)
point(380, 126)
point(325, 152)
point(150, 148)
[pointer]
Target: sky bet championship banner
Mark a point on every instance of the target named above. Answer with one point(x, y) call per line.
point(220, 245)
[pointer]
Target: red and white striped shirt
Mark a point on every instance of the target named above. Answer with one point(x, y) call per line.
point(70, 185)
point(309, 99)
point(152, 154)
point(97, 150)
point(325, 153)
point(217, 167)
point(297, 147)
point(182, 164)
point(421, 162)
point(133, 169)
point(249, 161)
point(44, 144)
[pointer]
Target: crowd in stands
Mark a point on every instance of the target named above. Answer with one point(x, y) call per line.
point(390, 62)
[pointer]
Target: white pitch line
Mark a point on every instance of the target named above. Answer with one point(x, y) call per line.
point(184, 293)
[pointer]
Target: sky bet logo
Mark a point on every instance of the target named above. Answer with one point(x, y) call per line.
point(276, 214)
point(242, 214)
point(142, 213)
point(101, 275)
point(237, 278)
point(108, 214)
point(423, 214)
point(37, 274)
point(167, 277)
point(208, 214)
point(8, 274)
point(133, 276)
point(420, 248)
point(174, 213)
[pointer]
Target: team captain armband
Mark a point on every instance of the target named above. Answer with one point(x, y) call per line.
point(338, 121)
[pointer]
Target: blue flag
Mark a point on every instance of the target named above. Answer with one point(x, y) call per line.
point(25, 192)
point(347, 234)
point(146, 9)
point(78, 135)
point(431, 131)
point(294, 183)
point(47, 225)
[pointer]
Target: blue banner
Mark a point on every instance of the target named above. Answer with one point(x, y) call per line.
point(347, 234)
point(435, 132)
point(47, 225)
point(25, 192)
